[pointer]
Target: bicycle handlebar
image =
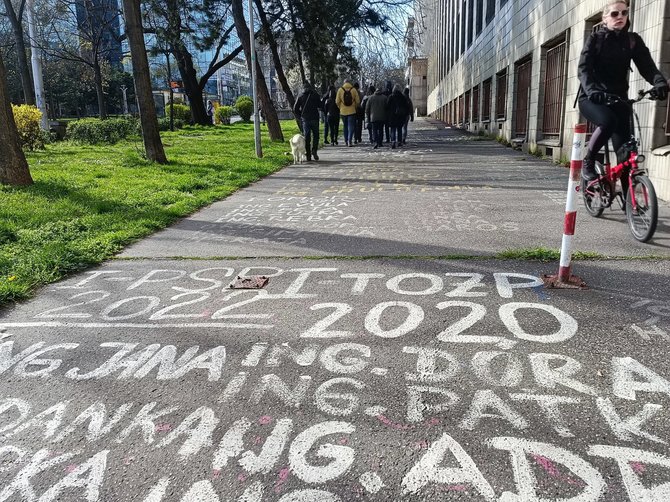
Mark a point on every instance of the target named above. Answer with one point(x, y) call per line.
point(615, 98)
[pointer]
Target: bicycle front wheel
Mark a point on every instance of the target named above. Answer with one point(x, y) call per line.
point(643, 214)
point(593, 201)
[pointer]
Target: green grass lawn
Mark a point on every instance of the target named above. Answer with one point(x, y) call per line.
point(88, 202)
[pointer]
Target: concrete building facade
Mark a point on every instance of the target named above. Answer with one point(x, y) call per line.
point(509, 68)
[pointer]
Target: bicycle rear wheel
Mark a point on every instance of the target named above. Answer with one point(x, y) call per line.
point(643, 218)
point(592, 201)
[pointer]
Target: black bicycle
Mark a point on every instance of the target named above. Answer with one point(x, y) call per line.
point(640, 204)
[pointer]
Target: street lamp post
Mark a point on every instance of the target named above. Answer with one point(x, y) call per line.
point(36, 63)
point(257, 122)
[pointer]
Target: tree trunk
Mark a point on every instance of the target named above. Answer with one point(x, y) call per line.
point(143, 91)
point(191, 84)
point(102, 107)
point(279, 68)
point(13, 166)
point(274, 128)
point(22, 59)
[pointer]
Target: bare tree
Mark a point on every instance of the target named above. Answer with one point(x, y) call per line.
point(143, 91)
point(274, 128)
point(15, 17)
point(13, 165)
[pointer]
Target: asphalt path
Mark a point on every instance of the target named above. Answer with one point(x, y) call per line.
point(391, 355)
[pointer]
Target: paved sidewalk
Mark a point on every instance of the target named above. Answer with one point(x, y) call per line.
point(391, 356)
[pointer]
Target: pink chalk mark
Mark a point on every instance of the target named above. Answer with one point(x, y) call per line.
point(282, 477)
point(553, 471)
point(71, 468)
point(258, 440)
point(265, 419)
point(128, 460)
point(457, 488)
point(344, 441)
point(638, 467)
point(420, 445)
point(432, 421)
point(163, 427)
point(241, 477)
point(390, 423)
point(216, 473)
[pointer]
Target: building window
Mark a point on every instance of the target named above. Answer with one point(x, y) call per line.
point(461, 109)
point(522, 95)
point(467, 107)
point(463, 19)
point(475, 104)
point(471, 20)
point(554, 83)
point(501, 95)
point(486, 100)
point(503, 2)
point(490, 11)
point(480, 16)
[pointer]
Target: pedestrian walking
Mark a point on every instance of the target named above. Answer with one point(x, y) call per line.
point(409, 117)
point(375, 114)
point(333, 115)
point(307, 108)
point(368, 124)
point(603, 69)
point(347, 100)
point(387, 92)
point(210, 111)
point(324, 118)
point(397, 109)
point(360, 117)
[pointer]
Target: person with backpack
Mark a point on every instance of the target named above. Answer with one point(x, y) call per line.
point(397, 110)
point(347, 101)
point(368, 124)
point(375, 114)
point(603, 69)
point(332, 115)
point(408, 117)
point(306, 109)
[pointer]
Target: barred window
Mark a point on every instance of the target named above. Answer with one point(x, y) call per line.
point(522, 94)
point(501, 95)
point(467, 107)
point(554, 84)
point(486, 100)
point(475, 104)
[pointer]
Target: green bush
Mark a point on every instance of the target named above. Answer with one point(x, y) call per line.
point(27, 118)
point(245, 107)
point(181, 112)
point(94, 131)
point(223, 114)
point(164, 123)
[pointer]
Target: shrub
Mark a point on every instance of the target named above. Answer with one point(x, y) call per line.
point(245, 107)
point(94, 131)
point(27, 118)
point(223, 114)
point(164, 123)
point(181, 112)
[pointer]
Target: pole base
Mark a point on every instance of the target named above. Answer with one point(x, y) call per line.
point(555, 282)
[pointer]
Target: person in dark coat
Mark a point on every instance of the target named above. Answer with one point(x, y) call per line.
point(307, 108)
point(387, 92)
point(368, 124)
point(333, 115)
point(603, 69)
point(360, 117)
point(409, 117)
point(397, 110)
point(324, 117)
point(375, 113)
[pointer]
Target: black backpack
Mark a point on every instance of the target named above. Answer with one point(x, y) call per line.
point(401, 106)
point(347, 98)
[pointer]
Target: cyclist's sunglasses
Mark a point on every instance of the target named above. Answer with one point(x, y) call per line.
point(616, 13)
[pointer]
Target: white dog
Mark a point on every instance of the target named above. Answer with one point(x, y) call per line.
point(298, 149)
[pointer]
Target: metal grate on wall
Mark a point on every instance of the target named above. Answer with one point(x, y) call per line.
point(461, 109)
point(475, 104)
point(501, 95)
point(554, 84)
point(522, 78)
point(467, 107)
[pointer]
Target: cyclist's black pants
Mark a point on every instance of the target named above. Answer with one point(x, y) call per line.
point(612, 121)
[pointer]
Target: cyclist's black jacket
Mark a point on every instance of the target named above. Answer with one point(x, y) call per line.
point(605, 62)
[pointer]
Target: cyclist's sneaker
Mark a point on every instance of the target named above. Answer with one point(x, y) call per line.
point(589, 170)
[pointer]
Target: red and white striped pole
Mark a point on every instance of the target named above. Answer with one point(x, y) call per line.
point(565, 278)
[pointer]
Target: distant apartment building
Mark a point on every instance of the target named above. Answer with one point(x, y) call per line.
point(101, 18)
point(510, 68)
point(416, 73)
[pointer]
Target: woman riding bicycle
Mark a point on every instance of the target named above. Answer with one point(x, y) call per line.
point(603, 69)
